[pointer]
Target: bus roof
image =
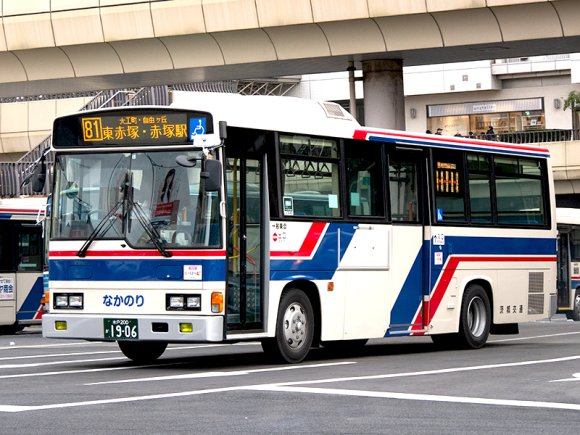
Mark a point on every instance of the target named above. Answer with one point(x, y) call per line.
point(27, 208)
point(310, 117)
point(284, 114)
point(301, 115)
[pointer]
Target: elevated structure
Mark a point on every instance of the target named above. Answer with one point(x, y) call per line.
point(59, 46)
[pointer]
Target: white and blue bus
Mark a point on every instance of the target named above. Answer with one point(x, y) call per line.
point(22, 261)
point(226, 218)
point(568, 220)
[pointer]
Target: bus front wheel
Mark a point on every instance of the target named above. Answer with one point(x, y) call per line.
point(294, 328)
point(575, 313)
point(142, 352)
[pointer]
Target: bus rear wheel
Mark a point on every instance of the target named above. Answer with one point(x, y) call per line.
point(575, 313)
point(475, 319)
point(294, 328)
point(142, 352)
point(474, 323)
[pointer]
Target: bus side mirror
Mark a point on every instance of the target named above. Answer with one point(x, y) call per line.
point(212, 174)
point(39, 178)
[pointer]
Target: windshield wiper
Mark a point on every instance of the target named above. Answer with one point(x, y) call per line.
point(106, 221)
point(148, 227)
point(129, 206)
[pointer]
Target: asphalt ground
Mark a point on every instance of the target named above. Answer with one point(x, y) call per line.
point(529, 383)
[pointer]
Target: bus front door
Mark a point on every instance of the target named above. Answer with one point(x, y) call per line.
point(563, 281)
point(407, 175)
point(245, 210)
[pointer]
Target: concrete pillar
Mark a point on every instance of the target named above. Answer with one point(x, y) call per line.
point(384, 99)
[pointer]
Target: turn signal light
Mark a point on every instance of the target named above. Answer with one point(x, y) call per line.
point(217, 302)
point(60, 325)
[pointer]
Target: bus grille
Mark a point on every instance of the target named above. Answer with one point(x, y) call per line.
point(536, 293)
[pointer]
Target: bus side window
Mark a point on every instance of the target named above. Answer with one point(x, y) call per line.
point(404, 190)
point(449, 186)
point(30, 248)
point(364, 179)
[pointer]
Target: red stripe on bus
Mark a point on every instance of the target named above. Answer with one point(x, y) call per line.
point(139, 253)
point(449, 271)
point(308, 244)
point(362, 134)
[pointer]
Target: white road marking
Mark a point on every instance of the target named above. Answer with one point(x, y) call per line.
point(57, 355)
point(54, 363)
point(435, 372)
point(40, 346)
point(19, 408)
point(419, 397)
point(575, 377)
point(169, 349)
point(533, 337)
point(222, 373)
point(299, 387)
point(68, 372)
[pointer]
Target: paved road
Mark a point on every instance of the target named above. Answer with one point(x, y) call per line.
point(523, 384)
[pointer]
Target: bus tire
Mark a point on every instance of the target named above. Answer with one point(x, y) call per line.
point(142, 352)
point(474, 323)
point(575, 313)
point(475, 320)
point(294, 328)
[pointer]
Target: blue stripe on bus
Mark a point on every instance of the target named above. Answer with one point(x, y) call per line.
point(323, 264)
point(31, 304)
point(132, 269)
point(410, 296)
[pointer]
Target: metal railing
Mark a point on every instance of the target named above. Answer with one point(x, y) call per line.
point(13, 174)
point(532, 136)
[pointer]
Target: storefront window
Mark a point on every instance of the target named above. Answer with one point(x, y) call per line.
point(479, 124)
point(474, 119)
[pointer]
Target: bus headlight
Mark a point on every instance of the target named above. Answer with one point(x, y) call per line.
point(194, 302)
point(75, 301)
point(65, 301)
point(177, 302)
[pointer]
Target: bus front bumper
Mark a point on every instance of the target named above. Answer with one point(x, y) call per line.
point(158, 328)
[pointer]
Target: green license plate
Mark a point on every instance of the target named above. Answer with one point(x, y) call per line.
point(121, 329)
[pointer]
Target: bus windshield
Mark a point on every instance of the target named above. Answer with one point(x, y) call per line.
point(145, 198)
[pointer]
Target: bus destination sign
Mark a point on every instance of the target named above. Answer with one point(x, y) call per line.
point(126, 128)
point(137, 128)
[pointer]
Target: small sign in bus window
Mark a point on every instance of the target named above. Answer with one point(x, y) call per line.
point(447, 178)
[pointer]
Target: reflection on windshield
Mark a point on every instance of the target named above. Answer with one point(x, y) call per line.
point(146, 199)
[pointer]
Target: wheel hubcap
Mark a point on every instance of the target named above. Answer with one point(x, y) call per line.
point(476, 319)
point(295, 325)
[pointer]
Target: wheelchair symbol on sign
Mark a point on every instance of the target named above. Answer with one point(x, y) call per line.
point(196, 127)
